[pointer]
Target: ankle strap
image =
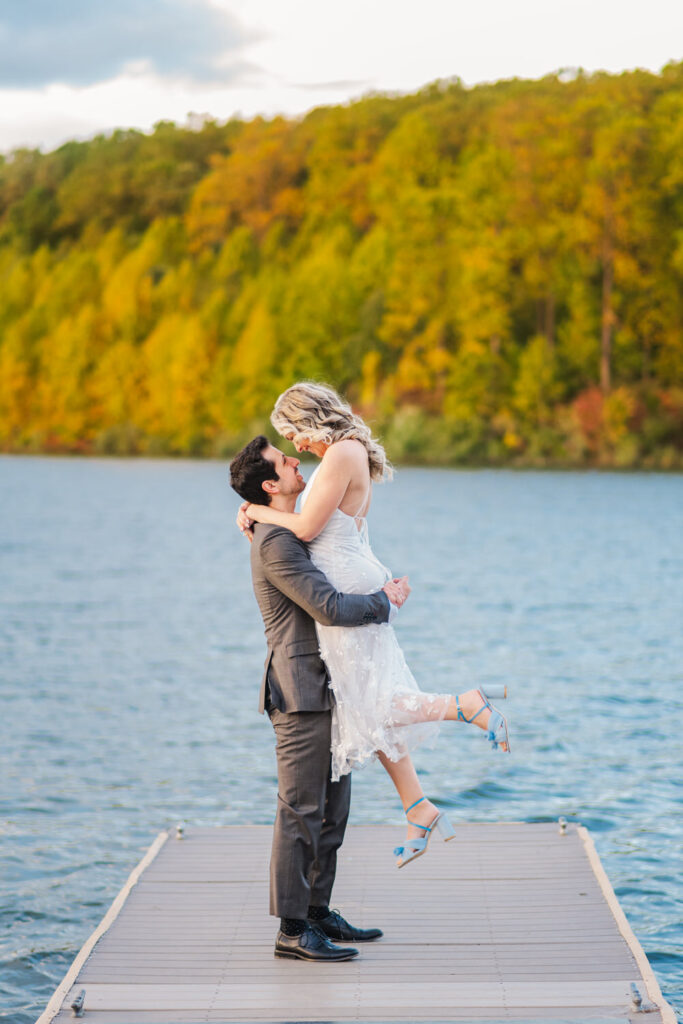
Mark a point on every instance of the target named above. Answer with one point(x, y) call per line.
point(415, 804)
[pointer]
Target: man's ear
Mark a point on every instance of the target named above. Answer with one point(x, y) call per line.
point(270, 486)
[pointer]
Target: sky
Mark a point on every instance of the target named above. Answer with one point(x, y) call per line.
point(74, 68)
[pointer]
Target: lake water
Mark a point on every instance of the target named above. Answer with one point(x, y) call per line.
point(131, 651)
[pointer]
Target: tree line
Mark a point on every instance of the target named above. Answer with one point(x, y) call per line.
point(492, 275)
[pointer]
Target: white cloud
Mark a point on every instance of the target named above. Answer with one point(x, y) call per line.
point(402, 45)
point(303, 53)
point(80, 42)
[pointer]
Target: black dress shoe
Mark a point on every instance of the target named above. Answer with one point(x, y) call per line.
point(335, 927)
point(311, 945)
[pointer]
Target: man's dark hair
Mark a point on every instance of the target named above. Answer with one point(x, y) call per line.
point(249, 469)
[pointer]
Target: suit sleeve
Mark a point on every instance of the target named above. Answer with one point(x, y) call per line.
point(288, 566)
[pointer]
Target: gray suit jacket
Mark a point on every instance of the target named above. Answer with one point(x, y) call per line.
point(291, 592)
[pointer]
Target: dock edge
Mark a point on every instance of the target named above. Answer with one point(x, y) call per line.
point(55, 1004)
point(654, 992)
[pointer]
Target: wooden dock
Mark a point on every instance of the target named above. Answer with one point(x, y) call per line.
point(507, 922)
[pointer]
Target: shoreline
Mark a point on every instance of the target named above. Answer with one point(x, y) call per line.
point(475, 466)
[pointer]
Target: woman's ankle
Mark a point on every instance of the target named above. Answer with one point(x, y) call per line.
point(423, 812)
point(471, 704)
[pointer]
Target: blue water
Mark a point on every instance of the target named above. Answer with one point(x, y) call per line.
point(131, 650)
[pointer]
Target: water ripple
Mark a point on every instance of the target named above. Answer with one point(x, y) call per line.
point(131, 651)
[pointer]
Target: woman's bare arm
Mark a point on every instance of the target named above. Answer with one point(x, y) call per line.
point(341, 463)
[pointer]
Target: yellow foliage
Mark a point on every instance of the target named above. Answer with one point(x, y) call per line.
point(63, 408)
point(253, 360)
point(255, 350)
point(486, 256)
point(176, 363)
point(511, 440)
point(618, 409)
point(116, 385)
point(412, 374)
point(370, 376)
point(15, 383)
point(535, 385)
point(254, 185)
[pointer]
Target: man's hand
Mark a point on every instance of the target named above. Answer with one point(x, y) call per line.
point(397, 590)
point(244, 523)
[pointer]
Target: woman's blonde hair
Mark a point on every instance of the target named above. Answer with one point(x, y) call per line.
point(313, 412)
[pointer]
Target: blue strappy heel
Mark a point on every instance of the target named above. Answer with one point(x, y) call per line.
point(497, 731)
point(414, 848)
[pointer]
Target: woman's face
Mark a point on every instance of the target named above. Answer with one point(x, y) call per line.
point(302, 444)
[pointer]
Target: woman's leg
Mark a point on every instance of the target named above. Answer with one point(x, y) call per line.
point(404, 777)
point(411, 708)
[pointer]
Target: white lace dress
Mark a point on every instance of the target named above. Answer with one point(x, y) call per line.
point(379, 706)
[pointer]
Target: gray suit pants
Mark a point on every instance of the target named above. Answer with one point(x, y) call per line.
point(311, 814)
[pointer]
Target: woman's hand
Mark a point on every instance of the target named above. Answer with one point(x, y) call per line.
point(244, 523)
point(397, 590)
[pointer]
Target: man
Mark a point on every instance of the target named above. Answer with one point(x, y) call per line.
point(312, 811)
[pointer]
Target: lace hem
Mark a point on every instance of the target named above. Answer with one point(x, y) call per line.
point(414, 720)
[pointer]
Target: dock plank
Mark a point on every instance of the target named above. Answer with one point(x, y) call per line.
point(508, 922)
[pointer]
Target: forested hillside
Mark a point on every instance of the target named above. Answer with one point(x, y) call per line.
point(492, 275)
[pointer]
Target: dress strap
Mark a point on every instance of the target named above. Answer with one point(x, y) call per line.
point(363, 503)
point(307, 490)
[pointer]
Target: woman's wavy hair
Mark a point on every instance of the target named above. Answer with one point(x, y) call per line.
point(314, 412)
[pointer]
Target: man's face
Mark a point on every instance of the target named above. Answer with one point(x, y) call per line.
point(287, 468)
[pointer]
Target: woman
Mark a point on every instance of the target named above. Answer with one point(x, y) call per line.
point(379, 709)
